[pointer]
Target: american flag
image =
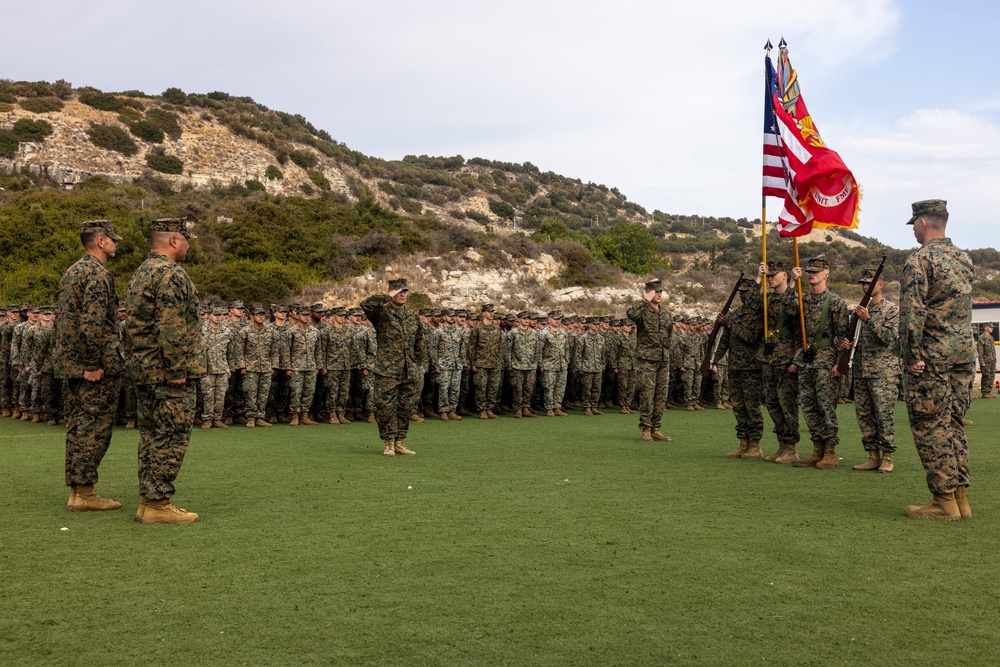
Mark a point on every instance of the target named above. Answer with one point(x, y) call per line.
point(812, 181)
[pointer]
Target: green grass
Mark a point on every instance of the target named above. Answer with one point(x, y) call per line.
point(541, 542)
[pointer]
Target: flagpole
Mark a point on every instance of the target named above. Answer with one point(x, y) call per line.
point(763, 253)
point(798, 283)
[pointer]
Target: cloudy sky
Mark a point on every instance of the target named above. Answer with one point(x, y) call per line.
point(660, 99)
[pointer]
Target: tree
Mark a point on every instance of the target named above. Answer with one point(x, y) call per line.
point(629, 246)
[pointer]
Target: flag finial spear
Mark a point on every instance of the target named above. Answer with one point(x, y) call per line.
point(768, 47)
point(782, 44)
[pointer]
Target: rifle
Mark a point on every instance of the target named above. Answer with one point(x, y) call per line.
point(854, 324)
point(706, 364)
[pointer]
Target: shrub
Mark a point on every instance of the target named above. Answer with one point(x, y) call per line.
point(42, 104)
point(304, 159)
point(174, 96)
point(7, 98)
point(478, 217)
point(318, 179)
point(410, 206)
point(165, 164)
point(502, 209)
point(272, 173)
point(5, 107)
point(253, 185)
point(166, 121)
point(147, 131)
point(8, 144)
point(307, 189)
point(112, 138)
point(100, 101)
point(32, 130)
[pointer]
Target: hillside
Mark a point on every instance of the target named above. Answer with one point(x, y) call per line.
point(283, 208)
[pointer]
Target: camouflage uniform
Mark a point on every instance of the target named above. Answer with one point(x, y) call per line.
point(257, 351)
point(399, 362)
point(986, 350)
point(554, 364)
point(235, 404)
point(935, 326)
point(6, 333)
point(338, 346)
point(280, 396)
point(781, 388)
point(485, 354)
point(741, 339)
point(653, 332)
point(523, 363)
point(86, 339)
point(625, 363)
point(876, 377)
point(163, 337)
point(128, 387)
point(214, 384)
point(302, 349)
point(818, 391)
point(42, 391)
point(365, 351)
point(690, 350)
point(589, 364)
point(22, 384)
point(447, 349)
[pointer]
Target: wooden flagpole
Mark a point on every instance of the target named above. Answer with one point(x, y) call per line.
point(798, 283)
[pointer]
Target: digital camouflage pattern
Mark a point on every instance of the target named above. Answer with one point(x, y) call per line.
point(781, 388)
point(92, 411)
point(447, 354)
point(589, 364)
point(554, 362)
point(654, 330)
point(164, 342)
point(338, 349)
point(86, 335)
point(742, 340)
point(6, 384)
point(986, 351)
point(625, 363)
point(935, 326)
point(486, 355)
point(303, 351)
point(876, 376)
point(399, 362)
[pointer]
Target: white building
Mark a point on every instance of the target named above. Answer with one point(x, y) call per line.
point(983, 312)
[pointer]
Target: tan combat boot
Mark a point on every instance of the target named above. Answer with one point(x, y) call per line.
point(941, 507)
point(528, 412)
point(251, 423)
point(787, 453)
point(444, 416)
point(72, 499)
point(519, 413)
point(771, 458)
point(25, 416)
point(595, 411)
point(333, 419)
point(454, 416)
point(371, 419)
point(647, 435)
point(962, 500)
point(492, 415)
point(85, 500)
point(886, 466)
point(130, 424)
point(753, 452)
point(219, 424)
point(416, 418)
point(690, 408)
point(162, 511)
point(560, 413)
point(873, 462)
point(550, 413)
point(623, 410)
point(205, 425)
point(829, 460)
point(295, 420)
point(390, 448)
point(740, 451)
point(400, 448)
point(306, 420)
point(483, 415)
point(812, 459)
point(15, 413)
point(263, 422)
point(659, 436)
point(342, 418)
point(35, 417)
point(5, 412)
point(587, 411)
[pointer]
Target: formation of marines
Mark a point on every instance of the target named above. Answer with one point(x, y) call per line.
point(164, 361)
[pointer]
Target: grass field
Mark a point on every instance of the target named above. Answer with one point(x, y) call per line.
point(560, 541)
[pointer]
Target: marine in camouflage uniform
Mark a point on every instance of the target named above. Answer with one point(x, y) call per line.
point(465, 385)
point(338, 349)
point(654, 328)
point(486, 343)
point(523, 342)
point(935, 336)
point(365, 351)
point(876, 376)
point(690, 350)
point(589, 365)
point(235, 404)
point(554, 363)
point(218, 345)
point(20, 343)
point(280, 394)
point(88, 355)
point(257, 352)
point(166, 359)
point(826, 325)
point(398, 363)
point(741, 338)
point(6, 383)
point(986, 350)
point(781, 388)
point(303, 348)
point(127, 401)
point(447, 349)
point(42, 392)
point(625, 363)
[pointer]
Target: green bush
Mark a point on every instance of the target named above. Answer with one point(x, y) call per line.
point(307, 189)
point(254, 185)
point(100, 101)
point(304, 159)
point(502, 209)
point(32, 130)
point(272, 173)
point(166, 121)
point(165, 164)
point(112, 138)
point(147, 131)
point(8, 98)
point(318, 179)
point(8, 144)
point(42, 104)
point(174, 96)
point(5, 107)
point(410, 206)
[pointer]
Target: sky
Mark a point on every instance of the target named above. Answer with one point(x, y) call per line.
point(662, 100)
